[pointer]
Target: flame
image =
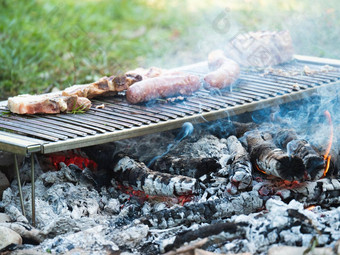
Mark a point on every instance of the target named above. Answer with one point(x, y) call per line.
point(259, 169)
point(310, 208)
point(327, 166)
point(326, 156)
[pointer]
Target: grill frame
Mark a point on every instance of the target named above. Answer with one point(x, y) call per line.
point(21, 144)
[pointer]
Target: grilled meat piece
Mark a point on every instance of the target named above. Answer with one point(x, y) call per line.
point(261, 49)
point(163, 86)
point(151, 72)
point(226, 71)
point(105, 86)
point(47, 103)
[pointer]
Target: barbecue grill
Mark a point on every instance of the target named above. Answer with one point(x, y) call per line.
point(120, 120)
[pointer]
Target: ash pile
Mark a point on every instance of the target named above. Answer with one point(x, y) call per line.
point(246, 189)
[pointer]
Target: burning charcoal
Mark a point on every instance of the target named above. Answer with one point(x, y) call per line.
point(202, 232)
point(246, 202)
point(240, 170)
point(138, 175)
point(324, 192)
point(271, 160)
point(192, 167)
point(314, 163)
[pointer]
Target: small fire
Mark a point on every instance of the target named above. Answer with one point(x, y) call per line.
point(327, 157)
point(310, 208)
point(71, 157)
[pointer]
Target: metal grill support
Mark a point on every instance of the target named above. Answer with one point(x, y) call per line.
point(32, 187)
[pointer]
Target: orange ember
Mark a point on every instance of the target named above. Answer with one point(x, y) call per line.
point(70, 157)
point(141, 196)
point(329, 146)
point(259, 169)
point(310, 208)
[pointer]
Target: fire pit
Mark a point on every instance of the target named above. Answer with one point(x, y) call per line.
point(225, 186)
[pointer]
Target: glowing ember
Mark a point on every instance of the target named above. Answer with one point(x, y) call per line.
point(327, 156)
point(71, 157)
point(141, 196)
point(310, 208)
point(259, 169)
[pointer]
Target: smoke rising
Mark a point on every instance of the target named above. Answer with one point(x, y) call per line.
point(187, 129)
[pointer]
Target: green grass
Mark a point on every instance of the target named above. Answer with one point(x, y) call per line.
point(45, 44)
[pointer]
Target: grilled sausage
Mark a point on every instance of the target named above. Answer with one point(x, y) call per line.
point(163, 86)
point(225, 73)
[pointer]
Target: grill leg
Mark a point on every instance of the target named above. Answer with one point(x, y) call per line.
point(33, 189)
point(19, 185)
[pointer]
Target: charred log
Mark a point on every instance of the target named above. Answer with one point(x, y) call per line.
point(325, 192)
point(314, 163)
point(228, 128)
point(240, 170)
point(192, 167)
point(132, 173)
point(202, 232)
point(271, 160)
point(245, 203)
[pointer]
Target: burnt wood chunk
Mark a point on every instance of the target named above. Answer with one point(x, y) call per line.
point(244, 203)
point(136, 174)
point(227, 128)
point(192, 167)
point(240, 170)
point(314, 163)
point(202, 232)
point(271, 160)
point(325, 192)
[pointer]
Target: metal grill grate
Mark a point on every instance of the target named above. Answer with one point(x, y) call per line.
point(119, 119)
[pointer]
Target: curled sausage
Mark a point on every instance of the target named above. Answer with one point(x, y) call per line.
point(163, 86)
point(226, 71)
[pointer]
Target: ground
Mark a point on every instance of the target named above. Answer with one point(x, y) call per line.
point(46, 44)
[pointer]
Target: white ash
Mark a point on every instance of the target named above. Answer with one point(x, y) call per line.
point(72, 212)
point(208, 146)
point(279, 227)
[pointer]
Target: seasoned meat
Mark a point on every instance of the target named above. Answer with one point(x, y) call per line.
point(47, 103)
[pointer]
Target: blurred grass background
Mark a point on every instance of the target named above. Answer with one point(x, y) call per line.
point(46, 44)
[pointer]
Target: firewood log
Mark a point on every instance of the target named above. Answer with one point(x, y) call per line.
point(240, 170)
point(136, 174)
point(314, 163)
point(192, 167)
point(271, 160)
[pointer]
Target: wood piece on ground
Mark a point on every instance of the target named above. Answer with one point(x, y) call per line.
point(284, 250)
point(188, 249)
point(26, 231)
point(203, 252)
point(8, 237)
